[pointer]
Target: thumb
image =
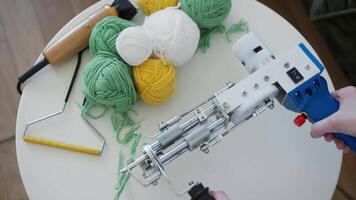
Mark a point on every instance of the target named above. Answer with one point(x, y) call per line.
point(219, 195)
point(332, 124)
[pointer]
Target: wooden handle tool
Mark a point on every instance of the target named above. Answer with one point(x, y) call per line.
point(78, 38)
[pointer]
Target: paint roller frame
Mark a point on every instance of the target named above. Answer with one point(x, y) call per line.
point(58, 144)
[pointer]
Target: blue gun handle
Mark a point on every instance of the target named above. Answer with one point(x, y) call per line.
point(321, 104)
point(331, 105)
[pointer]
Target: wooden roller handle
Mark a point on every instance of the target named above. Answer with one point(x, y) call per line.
point(77, 39)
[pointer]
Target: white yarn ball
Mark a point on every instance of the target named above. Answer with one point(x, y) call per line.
point(175, 35)
point(134, 45)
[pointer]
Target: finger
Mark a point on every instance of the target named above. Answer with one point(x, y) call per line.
point(332, 124)
point(339, 144)
point(336, 94)
point(344, 92)
point(346, 150)
point(329, 137)
point(219, 195)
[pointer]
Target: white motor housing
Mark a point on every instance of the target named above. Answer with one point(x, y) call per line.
point(252, 52)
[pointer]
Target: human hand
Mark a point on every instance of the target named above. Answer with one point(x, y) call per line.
point(219, 195)
point(343, 121)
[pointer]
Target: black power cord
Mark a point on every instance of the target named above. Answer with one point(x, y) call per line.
point(36, 68)
point(75, 73)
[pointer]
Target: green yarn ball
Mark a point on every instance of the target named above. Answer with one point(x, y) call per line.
point(107, 82)
point(207, 13)
point(104, 34)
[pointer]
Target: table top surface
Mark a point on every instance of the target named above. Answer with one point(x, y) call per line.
point(265, 158)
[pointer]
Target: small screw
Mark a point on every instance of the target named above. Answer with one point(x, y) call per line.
point(286, 65)
point(256, 86)
point(307, 67)
point(154, 183)
point(244, 93)
point(271, 106)
point(206, 150)
point(225, 105)
point(266, 78)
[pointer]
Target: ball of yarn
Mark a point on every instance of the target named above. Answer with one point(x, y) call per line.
point(107, 82)
point(104, 34)
point(134, 45)
point(207, 13)
point(151, 6)
point(175, 35)
point(155, 81)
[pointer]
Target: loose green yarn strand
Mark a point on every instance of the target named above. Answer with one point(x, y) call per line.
point(241, 26)
point(206, 35)
point(123, 178)
point(121, 121)
point(134, 137)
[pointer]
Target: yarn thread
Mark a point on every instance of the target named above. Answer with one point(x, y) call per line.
point(206, 36)
point(123, 178)
point(107, 83)
point(241, 26)
point(134, 45)
point(151, 6)
point(155, 81)
point(175, 35)
point(209, 15)
point(104, 34)
point(204, 43)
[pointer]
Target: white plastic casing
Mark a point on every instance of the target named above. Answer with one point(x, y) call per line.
point(244, 51)
point(242, 98)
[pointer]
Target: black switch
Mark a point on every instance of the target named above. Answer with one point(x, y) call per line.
point(295, 75)
point(257, 49)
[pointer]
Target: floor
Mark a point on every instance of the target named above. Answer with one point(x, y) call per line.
point(27, 25)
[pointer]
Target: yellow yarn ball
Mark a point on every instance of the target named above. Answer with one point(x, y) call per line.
point(151, 6)
point(155, 81)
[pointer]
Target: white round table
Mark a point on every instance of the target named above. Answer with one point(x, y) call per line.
point(266, 158)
